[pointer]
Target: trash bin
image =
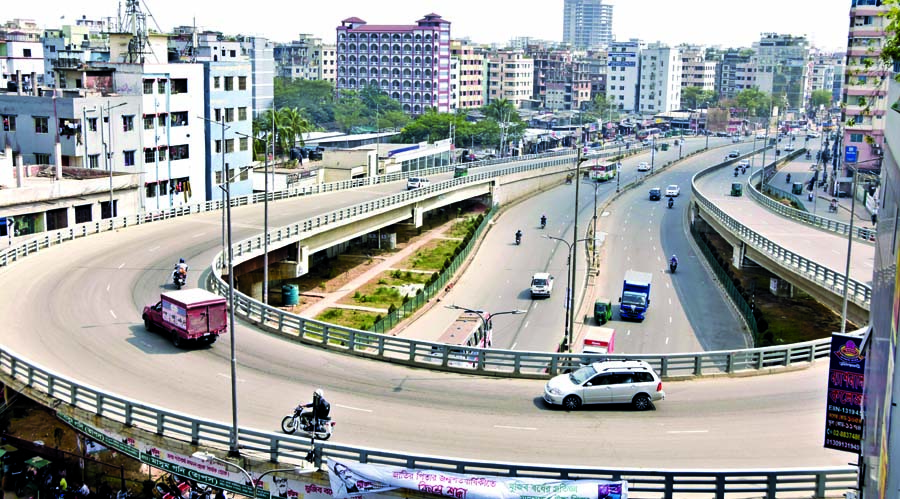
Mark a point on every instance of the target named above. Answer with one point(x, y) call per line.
point(290, 294)
point(797, 188)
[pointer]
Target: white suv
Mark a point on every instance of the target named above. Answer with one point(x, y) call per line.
point(541, 284)
point(414, 182)
point(610, 382)
point(643, 166)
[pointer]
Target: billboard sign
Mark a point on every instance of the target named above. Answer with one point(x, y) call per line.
point(851, 153)
point(843, 411)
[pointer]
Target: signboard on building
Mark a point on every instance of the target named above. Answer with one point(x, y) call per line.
point(621, 63)
point(851, 153)
point(843, 410)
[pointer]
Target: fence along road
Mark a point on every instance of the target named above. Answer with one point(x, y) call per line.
point(117, 273)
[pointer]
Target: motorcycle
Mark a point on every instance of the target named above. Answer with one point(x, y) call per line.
point(518, 239)
point(543, 223)
point(671, 202)
point(179, 277)
point(787, 179)
point(735, 172)
point(672, 266)
point(302, 420)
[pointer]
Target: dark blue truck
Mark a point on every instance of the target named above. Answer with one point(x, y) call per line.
point(635, 295)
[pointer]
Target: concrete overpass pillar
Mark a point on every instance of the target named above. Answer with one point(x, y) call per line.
point(738, 254)
point(495, 192)
point(417, 214)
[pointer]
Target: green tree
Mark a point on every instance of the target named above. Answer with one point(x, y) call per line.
point(315, 97)
point(501, 110)
point(349, 111)
point(755, 101)
point(820, 98)
point(690, 96)
point(291, 127)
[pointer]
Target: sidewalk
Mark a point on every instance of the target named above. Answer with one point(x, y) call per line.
point(801, 171)
point(331, 299)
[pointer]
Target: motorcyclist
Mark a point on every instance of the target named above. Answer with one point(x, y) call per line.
point(518, 236)
point(321, 409)
point(181, 267)
point(671, 202)
point(673, 262)
point(543, 221)
point(788, 180)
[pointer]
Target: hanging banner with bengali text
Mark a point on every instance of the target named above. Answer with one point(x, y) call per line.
point(351, 479)
point(843, 412)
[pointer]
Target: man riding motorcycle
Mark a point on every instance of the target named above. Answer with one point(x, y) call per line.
point(543, 221)
point(321, 409)
point(673, 263)
point(671, 202)
point(179, 275)
point(518, 236)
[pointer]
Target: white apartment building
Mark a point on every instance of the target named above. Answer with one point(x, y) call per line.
point(21, 63)
point(454, 83)
point(471, 74)
point(696, 70)
point(661, 70)
point(623, 64)
point(510, 77)
point(300, 59)
point(328, 62)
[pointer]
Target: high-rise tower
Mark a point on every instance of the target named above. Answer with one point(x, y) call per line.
point(587, 23)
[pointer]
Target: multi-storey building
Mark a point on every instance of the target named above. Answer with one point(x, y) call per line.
point(697, 71)
point(781, 62)
point(510, 77)
point(735, 72)
point(73, 45)
point(21, 57)
point(261, 52)
point(594, 62)
point(660, 77)
point(820, 73)
point(560, 82)
point(587, 24)
point(865, 86)
point(471, 74)
point(409, 62)
point(329, 63)
point(624, 70)
point(301, 59)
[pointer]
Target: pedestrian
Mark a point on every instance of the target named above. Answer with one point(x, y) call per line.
point(874, 215)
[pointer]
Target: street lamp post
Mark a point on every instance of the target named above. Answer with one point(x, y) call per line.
point(850, 245)
point(570, 293)
point(652, 153)
point(596, 186)
point(106, 148)
point(481, 314)
point(265, 290)
point(207, 457)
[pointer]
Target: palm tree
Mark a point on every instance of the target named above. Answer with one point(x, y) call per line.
point(500, 110)
point(291, 125)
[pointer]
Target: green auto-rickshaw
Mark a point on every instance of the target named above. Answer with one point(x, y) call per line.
point(602, 310)
point(737, 189)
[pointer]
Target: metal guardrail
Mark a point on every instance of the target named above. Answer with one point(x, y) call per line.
point(859, 293)
point(204, 433)
point(819, 222)
point(771, 483)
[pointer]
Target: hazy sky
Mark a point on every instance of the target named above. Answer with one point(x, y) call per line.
point(710, 22)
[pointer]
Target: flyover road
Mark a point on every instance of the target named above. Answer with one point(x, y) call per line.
point(687, 315)
point(825, 248)
point(75, 309)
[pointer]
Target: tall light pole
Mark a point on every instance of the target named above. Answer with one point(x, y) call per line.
point(596, 186)
point(570, 293)
point(106, 148)
point(850, 245)
point(265, 291)
point(207, 457)
point(652, 153)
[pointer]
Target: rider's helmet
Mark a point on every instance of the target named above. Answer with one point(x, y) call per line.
point(673, 257)
point(181, 260)
point(319, 393)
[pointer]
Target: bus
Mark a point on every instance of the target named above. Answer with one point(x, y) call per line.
point(648, 133)
point(602, 170)
point(466, 331)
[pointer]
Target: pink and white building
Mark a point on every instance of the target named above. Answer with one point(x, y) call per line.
point(409, 62)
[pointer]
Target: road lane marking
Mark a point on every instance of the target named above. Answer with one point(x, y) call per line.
point(628, 333)
point(151, 250)
point(676, 432)
point(513, 347)
point(667, 340)
point(113, 314)
point(670, 301)
point(527, 428)
point(526, 323)
point(198, 235)
point(667, 285)
point(353, 408)
point(228, 376)
point(122, 265)
point(670, 319)
point(107, 288)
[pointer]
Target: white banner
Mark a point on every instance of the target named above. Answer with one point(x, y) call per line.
point(351, 479)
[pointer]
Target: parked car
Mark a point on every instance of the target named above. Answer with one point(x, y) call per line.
point(673, 191)
point(643, 166)
point(655, 194)
point(609, 382)
point(416, 182)
point(541, 284)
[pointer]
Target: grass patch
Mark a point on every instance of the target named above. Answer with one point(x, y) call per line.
point(380, 291)
point(431, 256)
point(356, 319)
point(462, 227)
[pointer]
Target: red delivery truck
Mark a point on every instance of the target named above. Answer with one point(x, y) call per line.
point(599, 340)
point(188, 316)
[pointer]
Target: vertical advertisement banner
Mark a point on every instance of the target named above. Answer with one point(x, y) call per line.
point(843, 412)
